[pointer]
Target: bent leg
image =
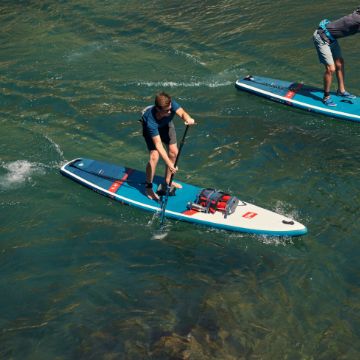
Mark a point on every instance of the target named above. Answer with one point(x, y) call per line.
point(340, 74)
point(150, 173)
point(328, 75)
point(173, 152)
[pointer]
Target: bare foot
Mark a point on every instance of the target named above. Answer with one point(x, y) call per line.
point(152, 195)
point(176, 185)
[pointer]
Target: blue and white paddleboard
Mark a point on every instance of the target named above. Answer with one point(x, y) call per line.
point(127, 186)
point(301, 96)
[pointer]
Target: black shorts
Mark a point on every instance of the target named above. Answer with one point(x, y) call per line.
point(167, 136)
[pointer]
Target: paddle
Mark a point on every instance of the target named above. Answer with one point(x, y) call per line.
point(111, 178)
point(168, 187)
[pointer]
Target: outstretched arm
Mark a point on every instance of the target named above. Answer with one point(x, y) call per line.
point(185, 116)
point(160, 148)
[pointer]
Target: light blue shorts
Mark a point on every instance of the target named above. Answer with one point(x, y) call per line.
point(326, 52)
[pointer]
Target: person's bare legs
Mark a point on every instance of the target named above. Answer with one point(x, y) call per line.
point(150, 173)
point(340, 74)
point(328, 75)
point(173, 152)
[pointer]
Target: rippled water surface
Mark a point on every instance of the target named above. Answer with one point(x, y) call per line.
point(83, 277)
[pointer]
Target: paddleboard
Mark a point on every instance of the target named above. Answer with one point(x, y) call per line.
point(300, 96)
point(127, 186)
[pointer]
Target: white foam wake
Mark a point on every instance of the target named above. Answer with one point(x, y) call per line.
point(18, 172)
point(56, 146)
point(173, 84)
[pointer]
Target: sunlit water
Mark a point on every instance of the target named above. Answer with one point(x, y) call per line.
point(83, 277)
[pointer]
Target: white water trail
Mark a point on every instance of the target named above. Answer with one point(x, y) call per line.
point(19, 172)
point(173, 84)
point(56, 163)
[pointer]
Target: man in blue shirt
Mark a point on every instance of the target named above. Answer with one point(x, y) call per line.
point(158, 128)
point(329, 52)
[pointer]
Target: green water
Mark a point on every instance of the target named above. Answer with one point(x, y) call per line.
point(83, 277)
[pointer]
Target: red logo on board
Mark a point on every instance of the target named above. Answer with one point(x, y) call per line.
point(249, 215)
point(115, 186)
point(292, 91)
point(117, 183)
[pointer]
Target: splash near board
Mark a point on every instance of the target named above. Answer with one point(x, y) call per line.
point(207, 207)
point(300, 96)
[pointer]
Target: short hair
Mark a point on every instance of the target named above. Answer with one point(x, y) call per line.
point(162, 99)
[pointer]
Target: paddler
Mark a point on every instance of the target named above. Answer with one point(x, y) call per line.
point(329, 51)
point(158, 128)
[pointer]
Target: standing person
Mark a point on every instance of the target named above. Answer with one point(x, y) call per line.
point(158, 128)
point(329, 52)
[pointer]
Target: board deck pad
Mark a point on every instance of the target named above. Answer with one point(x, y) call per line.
point(128, 186)
point(300, 96)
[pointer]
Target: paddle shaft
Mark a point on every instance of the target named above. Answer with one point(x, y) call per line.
point(164, 203)
point(178, 154)
point(271, 84)
point(110, 178)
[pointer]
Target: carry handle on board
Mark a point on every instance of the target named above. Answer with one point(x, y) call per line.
point(168, 187)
